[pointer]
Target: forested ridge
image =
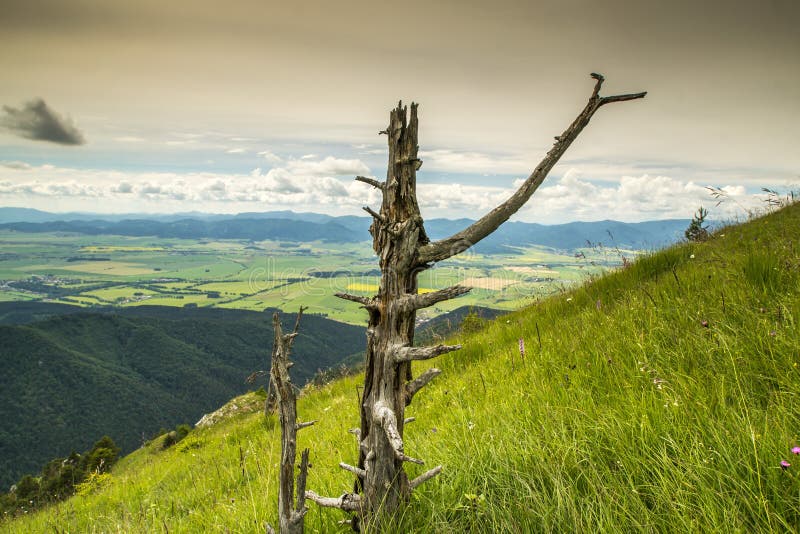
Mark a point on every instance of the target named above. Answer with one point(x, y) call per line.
point(69, 379)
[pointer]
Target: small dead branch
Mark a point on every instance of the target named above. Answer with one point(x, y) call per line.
point(355, 470)
point(420, 382)
point(407, 354)
point(424, 300)
point(371, 181)
point(424, 477)
point(386, 418)
point(290, 513)
point(366, 301)
point(349, 502)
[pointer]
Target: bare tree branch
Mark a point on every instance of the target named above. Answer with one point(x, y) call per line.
point(621, 98)
point(366, 301)
point(299, 316)
point(424, 300)
point(371, 181)
point(349, 502)
point(255, 375)
point(377, 216)
point(300, 426)
point(355, 470)
point(289, 337)
point(407, 354)
point(420, 382)
point(459, 242)
point(424, 477)
point(386, 418)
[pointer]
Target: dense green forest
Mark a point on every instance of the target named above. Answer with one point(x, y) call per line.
point(70, 378)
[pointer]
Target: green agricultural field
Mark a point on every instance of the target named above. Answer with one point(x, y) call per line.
point(117, 293)
point(7, 296)
point(133, 271)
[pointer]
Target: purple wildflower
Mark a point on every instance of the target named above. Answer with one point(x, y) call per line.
point(522, 348)
point(785, 464)
point(795, 450)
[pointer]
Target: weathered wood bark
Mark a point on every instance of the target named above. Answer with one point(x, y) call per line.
point(404, 250)
point(290, 512)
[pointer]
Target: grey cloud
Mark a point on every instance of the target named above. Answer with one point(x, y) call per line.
point(331, 187)
point(36, 120)
point(17, 165)
point(217, 185)
point(123, 187)
point(279, 180)
point(147, 190)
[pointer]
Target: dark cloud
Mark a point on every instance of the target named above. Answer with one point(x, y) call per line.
point(36, 120)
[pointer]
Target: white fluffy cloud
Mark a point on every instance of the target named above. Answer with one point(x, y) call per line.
point(298, 184)
point(326, 185)
point(631, 198)
point(572, 197)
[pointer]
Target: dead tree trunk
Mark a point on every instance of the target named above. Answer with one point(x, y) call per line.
point(404, 250)
point(290, 513)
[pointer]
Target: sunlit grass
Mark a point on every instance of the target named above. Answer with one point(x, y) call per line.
point(658, 398)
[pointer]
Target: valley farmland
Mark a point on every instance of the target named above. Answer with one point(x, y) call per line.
point(126, 271)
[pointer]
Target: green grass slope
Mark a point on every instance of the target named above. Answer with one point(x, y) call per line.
point(659, 398)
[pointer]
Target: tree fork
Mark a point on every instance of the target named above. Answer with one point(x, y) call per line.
point(487, 224)
point(404, 250)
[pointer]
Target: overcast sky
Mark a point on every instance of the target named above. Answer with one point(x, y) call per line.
point(255, 105)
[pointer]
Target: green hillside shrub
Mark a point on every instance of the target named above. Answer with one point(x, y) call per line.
point(696, 231)
point(175, 436)
point(60, 478)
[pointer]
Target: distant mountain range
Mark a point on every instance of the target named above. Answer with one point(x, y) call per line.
point(304, 227)
point(250, 229)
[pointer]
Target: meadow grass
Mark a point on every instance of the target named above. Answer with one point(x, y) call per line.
point(661, 397)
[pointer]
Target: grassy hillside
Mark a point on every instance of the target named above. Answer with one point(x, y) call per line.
point(67, 380)
point(659, 398)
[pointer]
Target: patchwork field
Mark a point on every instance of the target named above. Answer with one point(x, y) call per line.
point(132, 271)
